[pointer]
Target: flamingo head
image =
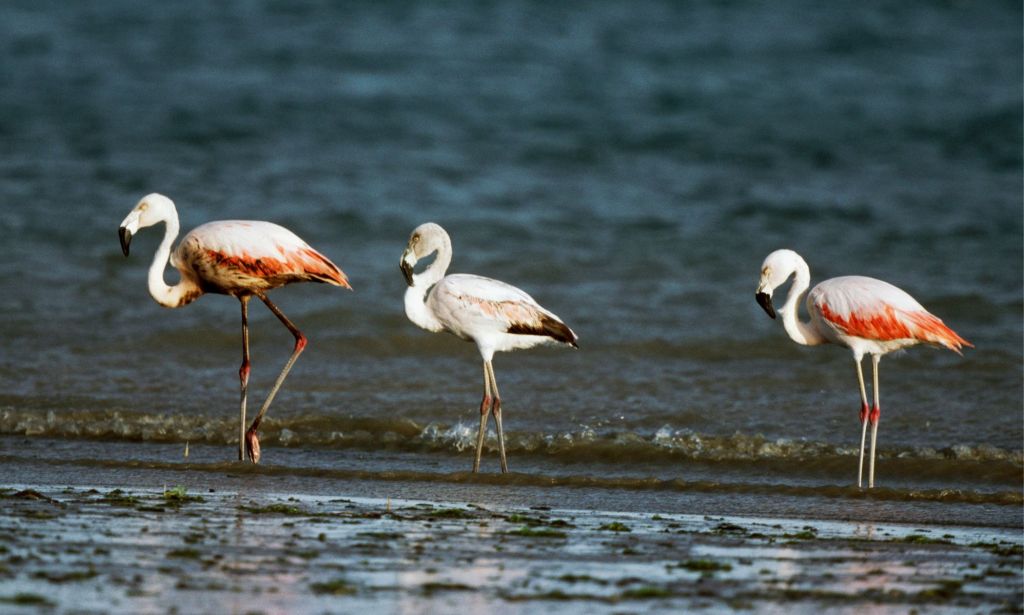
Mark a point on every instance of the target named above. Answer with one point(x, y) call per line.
point(425, 240)
point(775, 270)
point(151, 210)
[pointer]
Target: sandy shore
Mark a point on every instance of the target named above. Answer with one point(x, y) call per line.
point(115, 550)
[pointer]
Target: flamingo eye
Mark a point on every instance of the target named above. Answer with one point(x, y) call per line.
point(143, 206)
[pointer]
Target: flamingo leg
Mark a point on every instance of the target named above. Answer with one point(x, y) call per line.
point(496, 411)
point(485, 408)
point(863, 422)
point(252, 440)
point(876, 413)
point(243, 374)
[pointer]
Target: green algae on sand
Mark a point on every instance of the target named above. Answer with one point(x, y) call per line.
point(294, 554)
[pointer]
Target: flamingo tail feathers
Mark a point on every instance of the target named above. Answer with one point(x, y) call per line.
point(320, 268)
point(546, 326)
point(931, 329)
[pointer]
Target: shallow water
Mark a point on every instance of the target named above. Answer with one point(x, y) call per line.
point(630, 168)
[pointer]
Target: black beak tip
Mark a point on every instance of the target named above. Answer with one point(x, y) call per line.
point(406, 271)
point(126, 239)
point(765, 301)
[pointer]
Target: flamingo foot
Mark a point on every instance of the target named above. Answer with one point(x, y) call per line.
point(252, 445)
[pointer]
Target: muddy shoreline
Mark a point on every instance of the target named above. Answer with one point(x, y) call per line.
point(177, 550)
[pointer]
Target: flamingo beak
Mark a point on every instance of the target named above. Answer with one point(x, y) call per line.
point(126, 238)
point(406, 267)
point(129, 226)
point(765, 301)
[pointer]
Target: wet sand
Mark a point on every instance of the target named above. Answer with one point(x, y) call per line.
point(174, 550)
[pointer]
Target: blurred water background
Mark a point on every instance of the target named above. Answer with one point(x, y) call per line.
point(628, 164)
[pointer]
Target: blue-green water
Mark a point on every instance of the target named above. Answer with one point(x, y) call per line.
point(629, 165)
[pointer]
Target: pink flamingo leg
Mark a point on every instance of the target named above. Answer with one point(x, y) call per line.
point(863, 422)
point(243, 374)
point(496, 411)
point(876, 413)
point(252, 441)
point(485, 408)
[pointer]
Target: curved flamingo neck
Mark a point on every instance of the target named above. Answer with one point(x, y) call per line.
point(436, 270)
point(417, 311)
point(416, 295)
point(185, 291)
point(800, 332)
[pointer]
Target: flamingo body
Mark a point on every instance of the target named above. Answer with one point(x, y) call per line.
point(497, 316)
point(242, 258)
point(875, 317)
point(866, 315)
point(494, 315)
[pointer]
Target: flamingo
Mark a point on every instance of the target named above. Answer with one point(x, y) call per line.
point(241, 258)
point(494, 315)
point(866, 315)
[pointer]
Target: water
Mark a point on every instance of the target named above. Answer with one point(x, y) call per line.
point(628, 165)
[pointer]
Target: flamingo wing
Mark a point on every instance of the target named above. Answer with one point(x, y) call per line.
point(468, 303)
point(871, 309)
point(251, 254)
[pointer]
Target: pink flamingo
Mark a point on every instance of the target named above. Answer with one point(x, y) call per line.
point(493, 314)
point(866, 315)
point(242, 258)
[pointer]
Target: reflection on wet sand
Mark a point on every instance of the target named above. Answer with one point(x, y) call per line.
point(139, 551)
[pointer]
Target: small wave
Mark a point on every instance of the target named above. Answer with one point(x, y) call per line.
point(664, 445)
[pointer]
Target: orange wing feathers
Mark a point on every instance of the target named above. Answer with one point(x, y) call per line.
point(305, 263)
point(888, 323)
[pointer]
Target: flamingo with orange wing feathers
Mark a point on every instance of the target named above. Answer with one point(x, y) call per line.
point(241, 258)
point(866, 315)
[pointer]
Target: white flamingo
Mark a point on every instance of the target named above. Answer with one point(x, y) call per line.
point(866, 315)
point(241, 258)
point(493, 314)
